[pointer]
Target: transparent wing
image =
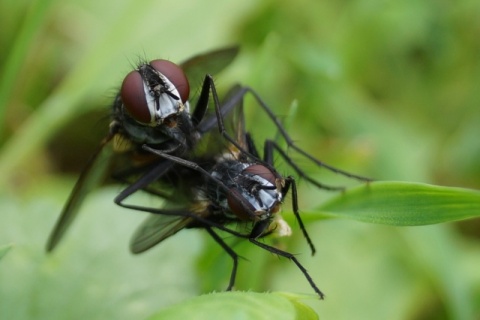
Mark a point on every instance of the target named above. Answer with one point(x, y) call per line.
point(208, 63)
point(93, 174)
point(235, 121)
point(156, 228)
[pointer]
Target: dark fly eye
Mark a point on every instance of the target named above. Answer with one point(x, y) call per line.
point(133, 90)
point(262, 171)
point(176, 76)
point(233, 200)
point(133, 97)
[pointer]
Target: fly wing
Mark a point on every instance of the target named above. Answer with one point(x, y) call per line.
point(156, 228)
point(237, 120)
point(91, 176)
point(198, 67)
point(208, 63)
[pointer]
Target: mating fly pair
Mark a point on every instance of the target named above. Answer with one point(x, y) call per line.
point(155, 140)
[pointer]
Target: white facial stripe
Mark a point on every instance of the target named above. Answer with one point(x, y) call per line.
point(167, 105)
point(268, 197)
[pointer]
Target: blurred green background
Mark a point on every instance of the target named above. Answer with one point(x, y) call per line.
point(387, 89)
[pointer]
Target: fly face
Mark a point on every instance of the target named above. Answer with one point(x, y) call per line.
point(152, 99)
point(254, 191)
point(155, 92)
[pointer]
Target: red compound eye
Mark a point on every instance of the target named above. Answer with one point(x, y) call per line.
point(262, 171)
point(133, 97)
point(236, 206)
point(176, 76)
point(133, 92)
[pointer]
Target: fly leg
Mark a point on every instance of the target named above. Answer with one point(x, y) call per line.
point(140, 184)
point(230, 252)
point(243, 91)
point(292, 258)
point(271, 146)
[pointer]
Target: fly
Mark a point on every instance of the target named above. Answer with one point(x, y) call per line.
point(151, 109)
point(237, 186)
point(221, 187)
point(236, 190)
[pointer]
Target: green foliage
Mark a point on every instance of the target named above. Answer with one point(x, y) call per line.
point(240, 305)
point(403, 204)
point(4, 249)
point(385, 89)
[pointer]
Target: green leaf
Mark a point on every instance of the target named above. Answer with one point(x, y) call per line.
point(240, 305)
point(32, 24)
point(403, 204)
point(4, 249)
